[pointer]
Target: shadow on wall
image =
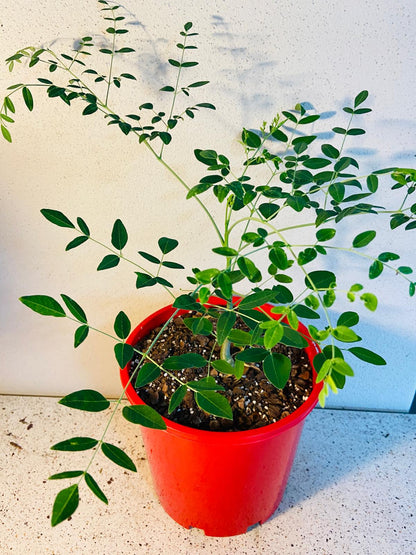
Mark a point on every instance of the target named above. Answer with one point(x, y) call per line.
point(390, 387)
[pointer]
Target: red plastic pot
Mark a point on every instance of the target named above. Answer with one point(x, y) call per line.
point(220, 482)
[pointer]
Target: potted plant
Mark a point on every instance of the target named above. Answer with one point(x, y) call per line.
point(223, 378)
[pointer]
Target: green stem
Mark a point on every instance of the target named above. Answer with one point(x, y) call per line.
point(111, 62)
point(175, 93)
point(120, 255)
point(184, 184)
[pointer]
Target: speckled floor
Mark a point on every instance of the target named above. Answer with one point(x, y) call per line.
point(351, 491)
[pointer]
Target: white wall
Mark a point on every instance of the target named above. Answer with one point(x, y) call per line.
point(260, 58)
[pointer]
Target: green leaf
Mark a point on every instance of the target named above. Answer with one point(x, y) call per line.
point(367, 356)
point(355, 131)
point(205, 384)
point(293, 338)
point(240, 337)
point(342, 367)
point(144, 280)
point(329, 298)
point(128, 76)
point(250, 139)
point(117, 455)
point(124, 353)
point(147, 373)
point(225, 251)
point(345, 334)
point(344, 162)
point(90, 109)
point(81, 335)
point(321, 279)
point(283, 294)
point(145, 416)
point(363, 239)
point(268, 210)
point(330, 151)
point(149, 257)
point(28, 98)
point(75, 444)
point(42, 304)
point(254, 354)
point(306, 256)
point(109, 261)
point(198, 326)
point(85, 399)
point(119, 235)
point(177, 398)
point(325, 234)
point(163, 281)
point(305, 312)
point(278, 257)
point(398, 220)
point(187, 302)
point(316, 163)
point(9, 103)
point(223, 366)
point(76, 242)
point(277, 369)
point(224, 283)
point(214, 403)
point(249, 269)
point(387, 256)
point(225, 324)
point(122, 325)
point(65, 475)
point(57, 218)
point(95, 488)
point(360, 98)
point(165, 137)
point(375, 269)
point(207, 157)
point(74, 308)
point(6, 133)
point(123, 50)
point(198, 189)
point(370, 301)
point(198, 84)
point(273, 335)
point(167, 245)
point(372, 183)
point(187, 360)
point(189, 64)
point(293, 319)
point(405, 270)
point(257, 299)
point(309, 119)
point(348, 319)
point(83, 226)
point(66, 503)
point(173, 265)
point(337, 191)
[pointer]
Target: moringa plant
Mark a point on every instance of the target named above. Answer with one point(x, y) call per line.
point(285, 169)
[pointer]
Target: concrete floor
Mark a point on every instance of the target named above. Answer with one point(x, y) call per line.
point(351, 491)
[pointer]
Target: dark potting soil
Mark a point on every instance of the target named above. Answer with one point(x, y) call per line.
point(255, 402)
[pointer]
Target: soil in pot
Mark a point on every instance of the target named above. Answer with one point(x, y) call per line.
point(254, 401)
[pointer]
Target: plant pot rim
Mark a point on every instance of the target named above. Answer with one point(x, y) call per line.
point(258, 434)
